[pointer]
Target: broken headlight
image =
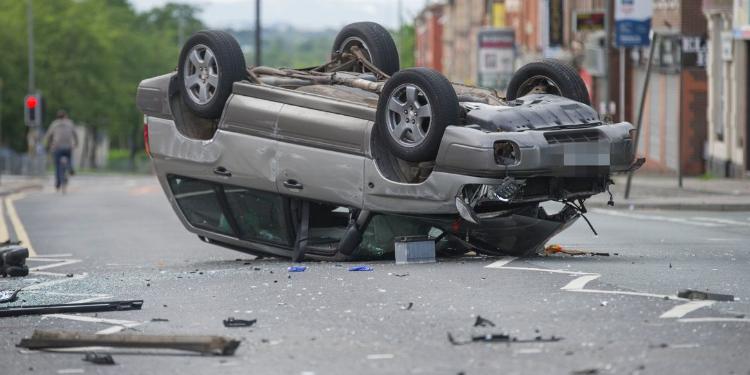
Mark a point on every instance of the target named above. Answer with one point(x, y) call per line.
point(507, 153)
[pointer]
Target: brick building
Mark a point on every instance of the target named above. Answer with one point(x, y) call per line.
point(728, 68)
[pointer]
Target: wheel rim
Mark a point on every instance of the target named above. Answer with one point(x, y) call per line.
point(201, 74)
point(352, 41)
point(538, 85)
point(409, 117)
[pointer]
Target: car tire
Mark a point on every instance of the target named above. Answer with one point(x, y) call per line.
point(210, 62)
point(558, 77)
point(411, 131)
point(375, 40)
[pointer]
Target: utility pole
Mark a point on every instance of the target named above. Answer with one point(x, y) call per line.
point(30, 33)
point(607, 42)
point(258, 47)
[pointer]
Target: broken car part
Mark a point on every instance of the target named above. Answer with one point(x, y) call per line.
point(232, 322)
point(296, 269)
point(99, 359)
point(697, 294)
point(13, 261)
point(414, 249)
point(59, 339)
point(71, 308)
point(500, 337)
point(8, 295)
point(482, 322)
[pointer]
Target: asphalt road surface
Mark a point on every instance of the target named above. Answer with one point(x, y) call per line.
point(117, 238)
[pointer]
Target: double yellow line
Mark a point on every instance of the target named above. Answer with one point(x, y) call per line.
point(15, 221)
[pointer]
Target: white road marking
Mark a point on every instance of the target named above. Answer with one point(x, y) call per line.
point(55, 282)
point(712, 320)
point(58, 263)
point(722, 221)
point(70, 371)
point(18, 227)
point(380, 356)
point(579, 283)
point(500, 263)
point(545, 270)
point(627, 293)
point(91, 319)
point(654, 217)
point(681, 310)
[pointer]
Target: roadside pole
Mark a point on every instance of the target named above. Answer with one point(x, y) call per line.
point(258, 47)
point(621, 105)
point(608, 13)
point(640, 108)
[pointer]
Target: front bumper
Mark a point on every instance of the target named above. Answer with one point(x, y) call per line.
point(592, 151)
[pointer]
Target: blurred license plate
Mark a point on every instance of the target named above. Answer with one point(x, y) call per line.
point(589, 153)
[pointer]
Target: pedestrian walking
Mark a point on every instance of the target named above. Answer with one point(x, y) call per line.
point(61, 139)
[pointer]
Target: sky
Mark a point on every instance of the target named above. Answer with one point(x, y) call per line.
point(303, 14)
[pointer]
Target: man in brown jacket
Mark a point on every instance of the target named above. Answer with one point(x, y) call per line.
point(61, 139)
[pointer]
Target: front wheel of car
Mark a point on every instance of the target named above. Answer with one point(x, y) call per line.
point(210, 62)
point(548, 76)
point(414, 108)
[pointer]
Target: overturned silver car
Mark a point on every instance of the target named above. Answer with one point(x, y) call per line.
point(334, 161)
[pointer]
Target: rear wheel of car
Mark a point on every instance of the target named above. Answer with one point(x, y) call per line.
point(414, 108)
point(548, 76)
point(374, 41)
point(210, 62)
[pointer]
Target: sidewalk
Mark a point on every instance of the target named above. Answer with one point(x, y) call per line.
point(10, 184)
point(659, 192)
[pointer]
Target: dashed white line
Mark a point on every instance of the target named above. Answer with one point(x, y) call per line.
point(722, 221)
point(681, 310)
point(714, 320)
point(654, 217)
point(580, 282)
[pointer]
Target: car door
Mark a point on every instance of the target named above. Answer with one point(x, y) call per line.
point(234, 216)
point(321, 155)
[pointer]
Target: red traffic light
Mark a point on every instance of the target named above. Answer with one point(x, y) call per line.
point(31, 102)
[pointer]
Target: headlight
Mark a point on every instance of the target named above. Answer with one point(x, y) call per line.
point(507, 153)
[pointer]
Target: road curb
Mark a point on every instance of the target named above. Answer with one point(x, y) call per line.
point(673, 206)
point(5, 191)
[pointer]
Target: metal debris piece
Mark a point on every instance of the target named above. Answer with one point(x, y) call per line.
point(232, 322)
point(8, 295)
point(71, 308)
point(482, 322)
point(408, 306)
point(59, 339)
point(296, 269)
point(555, 249)
point(360, 268)
point(99, 359)
point(500, 337)
point(159, 320)
point(697, 294)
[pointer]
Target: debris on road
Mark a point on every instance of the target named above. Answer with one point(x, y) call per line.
point(500, 337)
point(13, 261)
point(414, 249)
point(697, 294)
point(297, 269)
point(408, 306)
point(360, 268)
point(558, 249)
point(482, 322)
point(99, 359)
point(400, 274)
point(71, 308)
point(232, 322)
point(8, 295)
point(202, 344)
point(159, 320)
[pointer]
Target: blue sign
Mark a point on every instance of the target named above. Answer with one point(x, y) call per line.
point(632, 23)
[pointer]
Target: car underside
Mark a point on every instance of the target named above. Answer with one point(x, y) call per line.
point(346, 156)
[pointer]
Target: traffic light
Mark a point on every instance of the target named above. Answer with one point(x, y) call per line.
point(33, 110)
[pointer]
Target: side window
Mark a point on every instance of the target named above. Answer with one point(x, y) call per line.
point(327, 223)
point(199, 204)
point(260, 216)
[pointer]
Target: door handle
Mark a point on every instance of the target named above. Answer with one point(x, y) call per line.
point(292, 184)
point(221, 171)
